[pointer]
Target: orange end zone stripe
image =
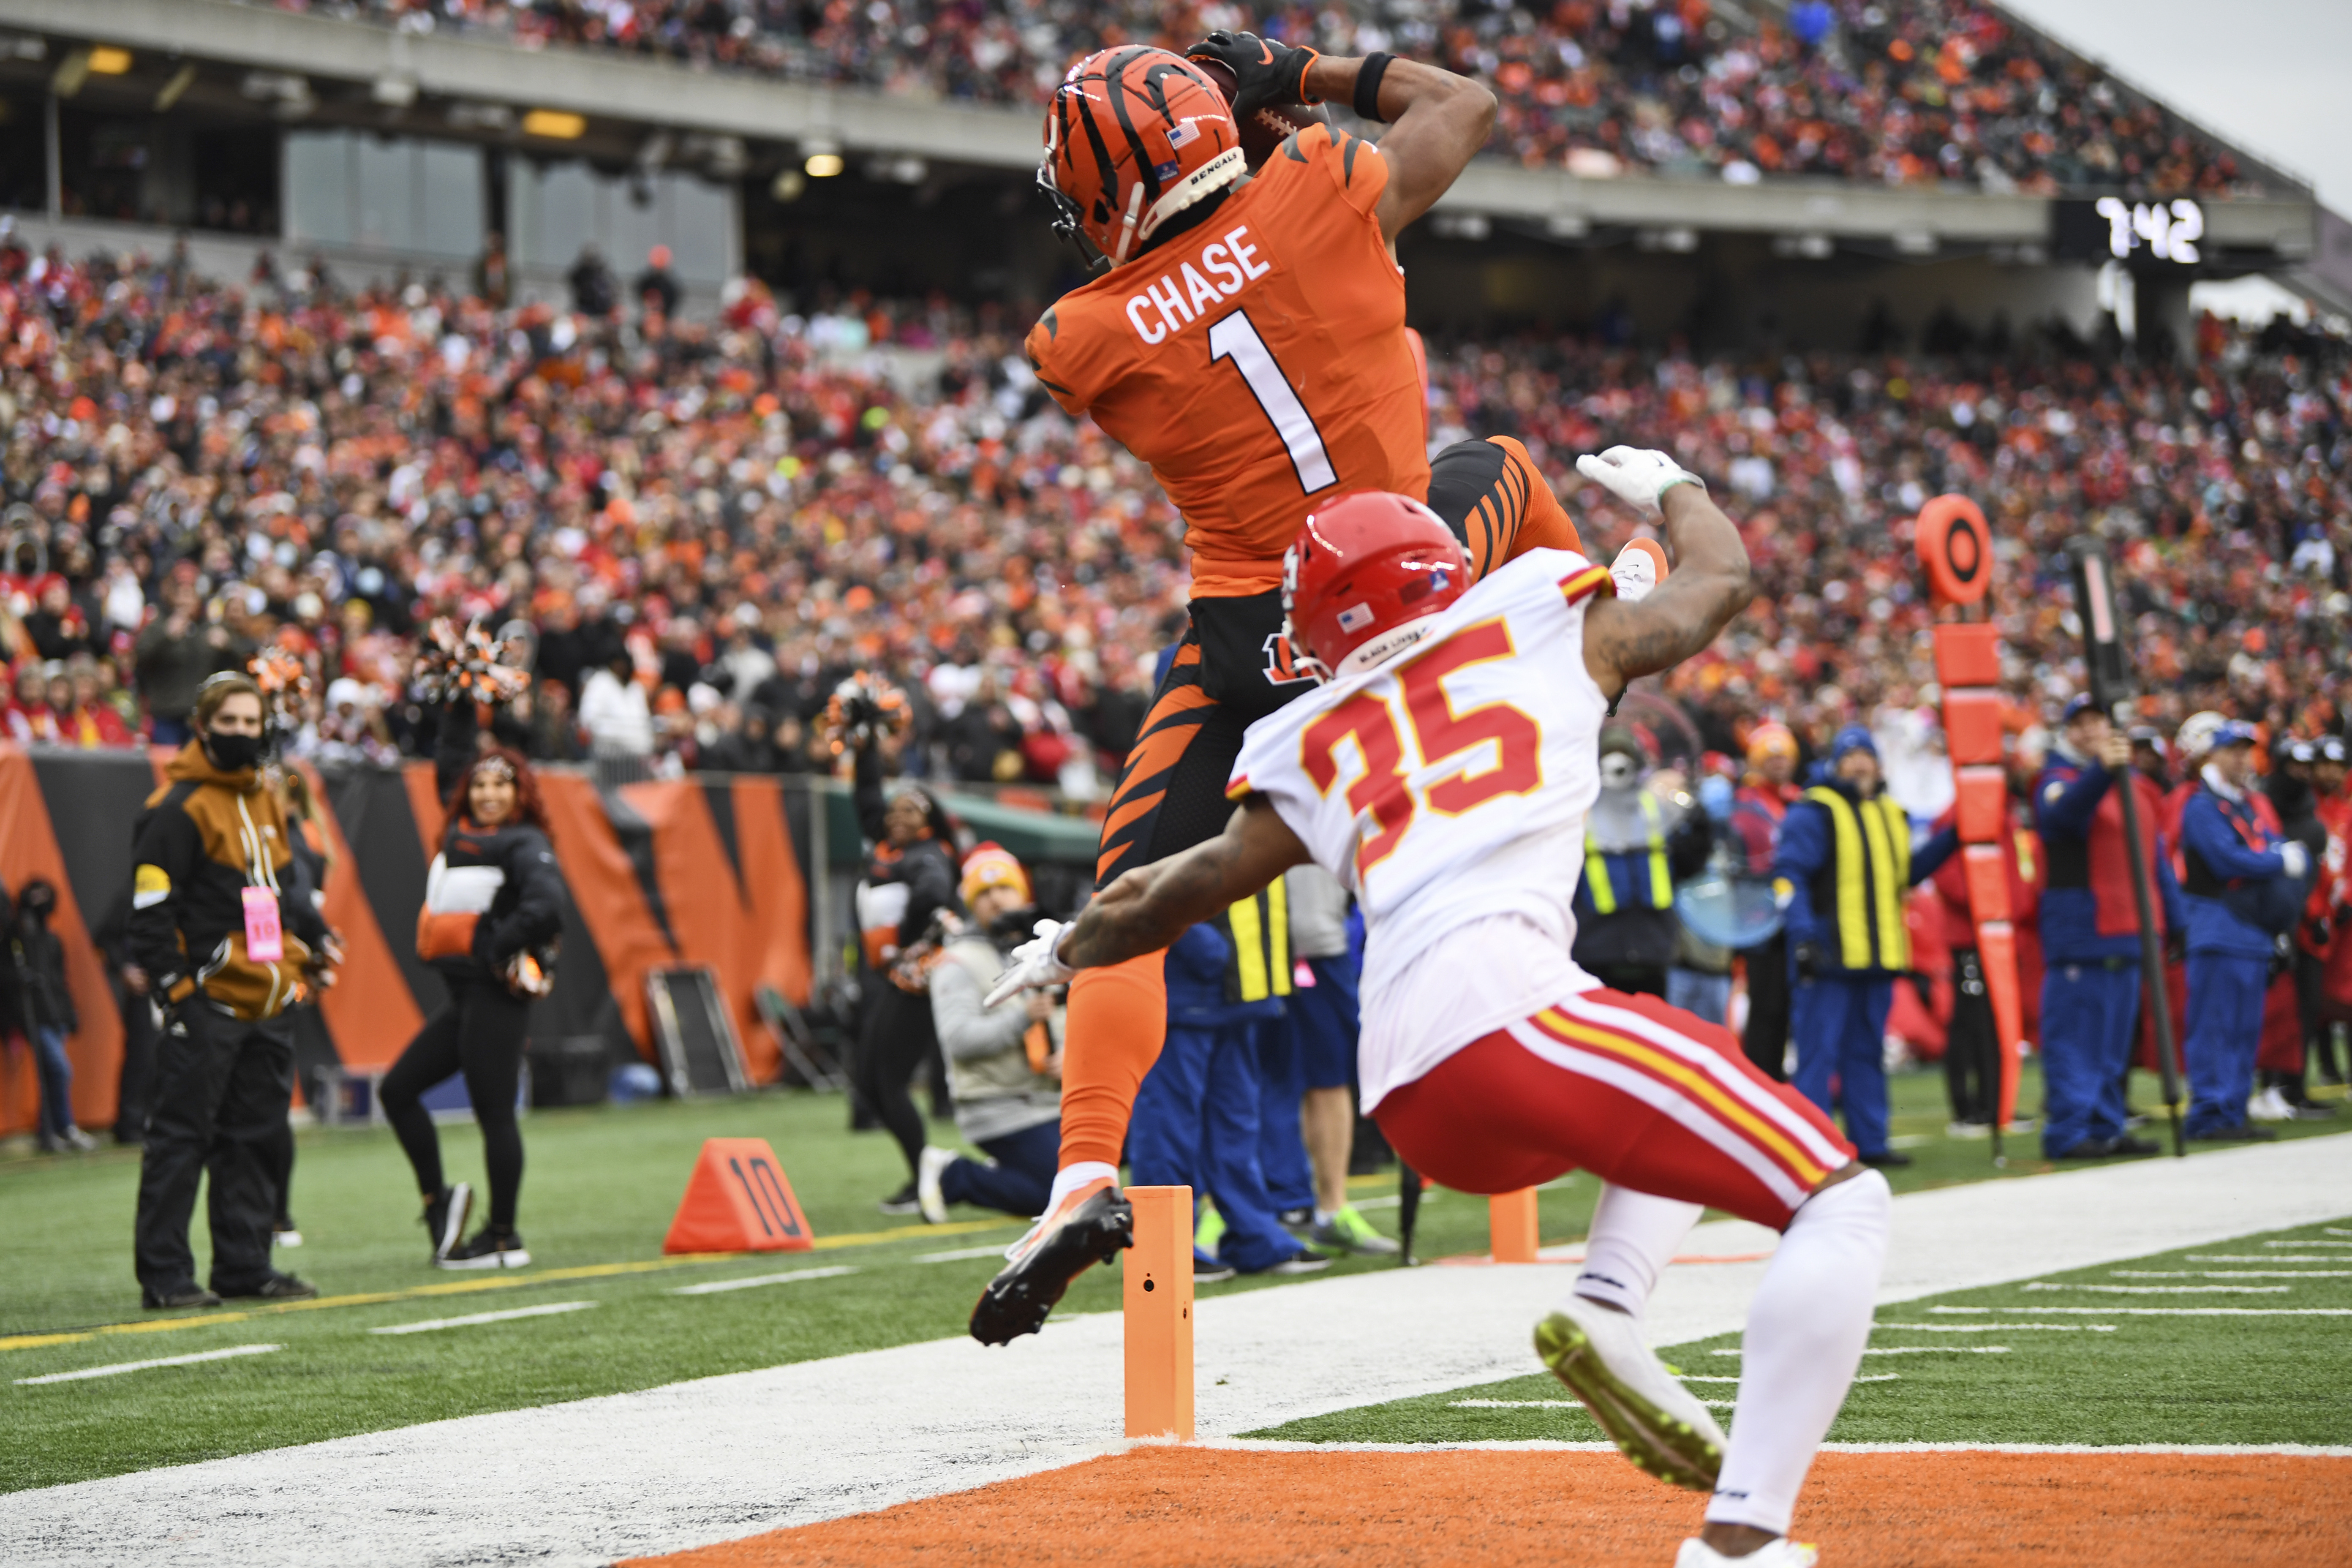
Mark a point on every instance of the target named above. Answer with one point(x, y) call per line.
point(1566, 1029)
point(1577, 585)
point(1187, 1507)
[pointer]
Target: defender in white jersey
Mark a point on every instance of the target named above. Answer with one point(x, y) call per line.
point(1443, 772)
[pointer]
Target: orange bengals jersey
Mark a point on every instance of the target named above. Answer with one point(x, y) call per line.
point(1259, 362)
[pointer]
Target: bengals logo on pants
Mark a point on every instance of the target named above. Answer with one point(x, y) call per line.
point(1281, 667)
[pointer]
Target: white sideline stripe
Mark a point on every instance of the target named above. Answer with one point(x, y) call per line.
point(2234, 1273)
point(1917, 1350)
point(585, 1482)
point(1998, 1328)
point(123, 1366)
point(2171, 1312)
point(714, 1287)
point(958, 1255)
point(2273, 1257)
point(470, 1319)
point(2169, 1289)
point(2308, 1243)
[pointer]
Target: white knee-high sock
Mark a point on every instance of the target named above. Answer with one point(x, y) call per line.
point(1634, 1238)
point(1805, 1335)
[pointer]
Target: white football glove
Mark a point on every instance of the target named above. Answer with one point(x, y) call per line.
point(1032, 964)
point(1637, 476)
point(2294, 857)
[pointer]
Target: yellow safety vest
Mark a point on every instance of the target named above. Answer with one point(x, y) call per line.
point(1873, 874)
point(1261, 928)
point(1596, 864)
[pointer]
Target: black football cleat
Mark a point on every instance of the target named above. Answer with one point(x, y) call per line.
point(1092, 1226)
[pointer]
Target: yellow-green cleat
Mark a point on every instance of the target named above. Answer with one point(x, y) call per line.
point(1654, 1420)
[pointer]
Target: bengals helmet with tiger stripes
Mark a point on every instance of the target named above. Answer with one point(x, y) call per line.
point(1133, 137)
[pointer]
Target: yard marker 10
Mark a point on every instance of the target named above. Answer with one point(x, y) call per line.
point(738, 1200)
point(1511, 1226)
point(1159, 1313)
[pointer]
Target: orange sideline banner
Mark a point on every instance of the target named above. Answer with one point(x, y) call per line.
point(696, 871)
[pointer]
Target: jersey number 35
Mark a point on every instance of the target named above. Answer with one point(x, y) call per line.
point(1385, 799)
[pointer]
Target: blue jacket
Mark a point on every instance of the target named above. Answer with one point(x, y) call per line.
point(1197, 965)
point(1807, 848)
point(2211, 832)
point(2069, 921)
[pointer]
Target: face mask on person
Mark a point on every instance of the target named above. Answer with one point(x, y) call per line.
point(232, 754)
point(1617, 771)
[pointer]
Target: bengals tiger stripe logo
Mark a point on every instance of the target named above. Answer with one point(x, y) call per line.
point(1281, 666)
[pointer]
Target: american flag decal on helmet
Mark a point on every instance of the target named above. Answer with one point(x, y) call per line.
point(1355, 617)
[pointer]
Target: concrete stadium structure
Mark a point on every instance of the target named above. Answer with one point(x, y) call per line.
point(377, 151)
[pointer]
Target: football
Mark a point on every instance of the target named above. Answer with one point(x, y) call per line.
point(1263, 131)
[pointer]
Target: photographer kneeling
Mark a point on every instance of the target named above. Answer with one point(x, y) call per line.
point(1005, 1062)
point(228, 955)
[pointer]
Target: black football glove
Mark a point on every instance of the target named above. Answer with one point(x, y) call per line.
point(1264, 72)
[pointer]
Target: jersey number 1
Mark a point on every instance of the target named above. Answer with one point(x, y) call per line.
point(1383, 794)
point(1235, 337)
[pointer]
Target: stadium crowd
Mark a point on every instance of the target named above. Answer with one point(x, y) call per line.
point(708, 525)
point(1899, 91)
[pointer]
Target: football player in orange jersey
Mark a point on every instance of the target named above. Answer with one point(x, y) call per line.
point(1245, 336)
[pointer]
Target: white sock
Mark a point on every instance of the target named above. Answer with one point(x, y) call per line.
point(1634, 1238)
point(1070, 1178)
point(1805, 1334)
point(1323, 1215)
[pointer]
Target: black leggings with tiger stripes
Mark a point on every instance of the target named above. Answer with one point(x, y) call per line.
point(1232, 668)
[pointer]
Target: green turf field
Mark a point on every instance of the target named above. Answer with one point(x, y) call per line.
point(2091, 1356)
point(602, 1186)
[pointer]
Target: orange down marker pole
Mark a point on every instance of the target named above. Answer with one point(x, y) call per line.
point(1511, 1226)
point(1158, 1306)
point(1955, 545)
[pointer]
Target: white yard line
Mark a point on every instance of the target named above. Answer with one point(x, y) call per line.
point(719, 1458)
point(1998, 1328)
point(2234, 1273)
point(471, 1320)
point(958, 1254)
point(2171, 1312)
point(1917, 1350)
point(716, 1287)
point(2165, 1289)
point(123, 1366)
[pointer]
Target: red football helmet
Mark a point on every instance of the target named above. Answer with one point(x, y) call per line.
point(1133, 137)
point(1362, 574)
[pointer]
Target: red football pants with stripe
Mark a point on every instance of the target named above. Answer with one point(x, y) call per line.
point(1643, 1095)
